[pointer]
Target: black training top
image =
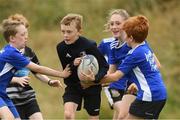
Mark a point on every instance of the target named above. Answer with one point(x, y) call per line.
point(67, 54)
point(18, 94)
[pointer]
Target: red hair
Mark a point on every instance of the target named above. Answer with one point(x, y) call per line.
point(136, 27)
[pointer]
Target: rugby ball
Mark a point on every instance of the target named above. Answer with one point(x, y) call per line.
point(88, 62)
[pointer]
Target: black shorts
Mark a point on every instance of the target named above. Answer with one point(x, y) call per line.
point(26, 110)
point(91, 97)
point(116, 95)
point(147, 110)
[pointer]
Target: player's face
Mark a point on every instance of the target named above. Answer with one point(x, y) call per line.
point(20, 39)
point(126, 38)
point(115, 22)
point(70, 33)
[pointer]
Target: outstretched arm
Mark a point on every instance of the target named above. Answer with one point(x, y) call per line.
point(48, 71)
point(47, 80)
point(108, 78)
point(112, 77)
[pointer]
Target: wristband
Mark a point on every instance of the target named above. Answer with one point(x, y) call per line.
point(49, 82)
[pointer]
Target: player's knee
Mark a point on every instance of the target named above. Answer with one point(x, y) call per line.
point(5, 114)
point(7, 117)
point(94, 117)
point(68, 115)
point(36, 116)
point(122, 115)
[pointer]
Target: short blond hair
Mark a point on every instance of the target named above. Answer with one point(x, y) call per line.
point(20, 18)
point(70, 18)
point(9, 28)
point(121, 12)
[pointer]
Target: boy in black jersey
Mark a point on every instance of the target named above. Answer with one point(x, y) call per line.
point(72, 47)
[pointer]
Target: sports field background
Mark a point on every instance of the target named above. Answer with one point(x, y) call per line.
point(44, 34)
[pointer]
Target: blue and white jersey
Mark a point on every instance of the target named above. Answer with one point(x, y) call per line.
point(140, 63)
point(110, 48)
point(117, 54)
point(10, 61)
point(105, 48)
point(24, 71)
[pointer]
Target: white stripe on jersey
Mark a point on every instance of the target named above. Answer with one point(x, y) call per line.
point(147, 96)
point(20, 96)
point(114, 44)
point(132, 50)
point(25, 102)
point(12, 89)
point(7, 68)
point(18, 89)
point(106, 40)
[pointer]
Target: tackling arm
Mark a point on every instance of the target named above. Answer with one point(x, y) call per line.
point(112, 77)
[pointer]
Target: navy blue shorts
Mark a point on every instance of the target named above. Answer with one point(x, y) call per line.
point(116, 95)
point(147, 110)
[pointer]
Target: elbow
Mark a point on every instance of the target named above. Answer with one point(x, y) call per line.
point(37, 69)
point(159, 66)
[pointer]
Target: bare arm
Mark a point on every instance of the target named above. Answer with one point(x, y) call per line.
point(112, 77)
point(47, 80)
point(42, 78)
point(48, 71)
point(112, 69)
point(157, 61)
